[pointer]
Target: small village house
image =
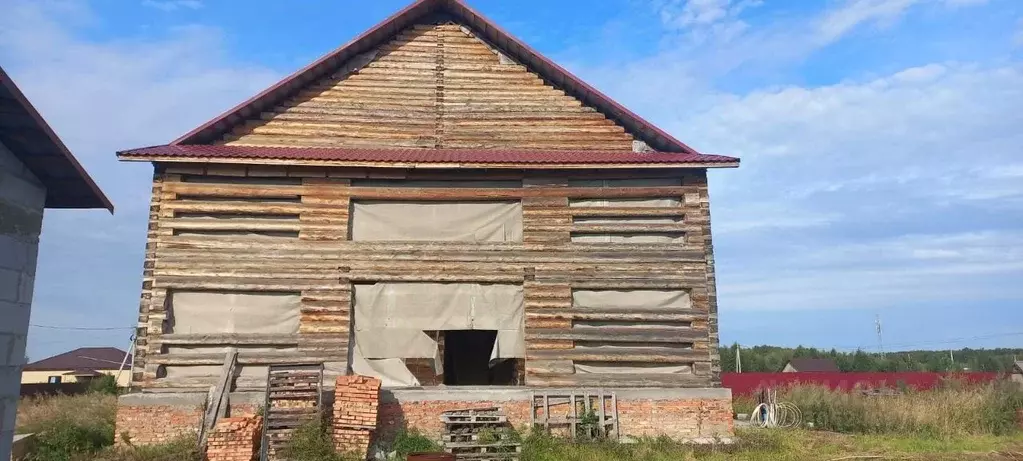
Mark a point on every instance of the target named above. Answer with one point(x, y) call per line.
point(36, 171)
point(805, 365)
point(437, 205)
point(80, 365)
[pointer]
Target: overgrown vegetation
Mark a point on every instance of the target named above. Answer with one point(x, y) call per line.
point(411, 441)
point(954, 410)
point(105, 384)
point(68, 426)
point(771, 359)
point(779, 445)
point(182, 449)
point(312, 442)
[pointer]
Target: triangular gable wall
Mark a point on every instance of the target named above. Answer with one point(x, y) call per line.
point(433, 86)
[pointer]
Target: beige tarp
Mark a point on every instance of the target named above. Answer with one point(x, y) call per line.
point(207, 312)
point(631, 299)
point(635, 369)
point(437, 221)
point(392, 321)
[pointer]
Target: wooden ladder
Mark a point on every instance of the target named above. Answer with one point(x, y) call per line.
point(293, 399)
point(583, 404)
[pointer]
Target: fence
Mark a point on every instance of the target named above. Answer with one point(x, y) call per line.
point(37, 389)
point(749, 383)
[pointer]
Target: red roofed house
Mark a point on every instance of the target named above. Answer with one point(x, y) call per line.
point(82, 364)
point(437, 205)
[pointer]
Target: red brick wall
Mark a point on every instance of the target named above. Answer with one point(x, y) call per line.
point(235, 439)
point(356, 401)
point(681, 418)
point(154, 424)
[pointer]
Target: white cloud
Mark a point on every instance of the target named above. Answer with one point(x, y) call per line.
point(173, 5)
point(102, 96)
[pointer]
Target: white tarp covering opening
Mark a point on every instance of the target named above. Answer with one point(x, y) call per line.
point(437, 221)
point(392, 321)
point(198, 312)
point(208, 312)
point(667, 300)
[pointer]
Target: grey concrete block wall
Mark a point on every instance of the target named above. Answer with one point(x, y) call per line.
point(21, 215)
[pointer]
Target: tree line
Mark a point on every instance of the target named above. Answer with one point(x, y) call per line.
point(772, 359)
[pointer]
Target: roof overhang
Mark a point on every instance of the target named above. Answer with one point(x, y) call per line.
point(424, 158)
point(24, 132)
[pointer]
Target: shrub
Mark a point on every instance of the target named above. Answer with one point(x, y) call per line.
point(311, 442)
point(951, 410)
point(182, 449)
point(411, 441)
point(68, 426)
point(105, 384)
point(64, 441)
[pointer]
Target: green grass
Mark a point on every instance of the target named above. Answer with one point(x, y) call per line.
point(953, 410)
point(782, 445)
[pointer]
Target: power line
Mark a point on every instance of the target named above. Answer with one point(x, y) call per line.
point(54, 327)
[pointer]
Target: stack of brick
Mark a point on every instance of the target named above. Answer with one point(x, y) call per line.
point(235, 439)
point(356, 401)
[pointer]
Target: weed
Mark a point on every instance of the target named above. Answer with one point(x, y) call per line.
point(411, 441)
point(105, 384)
point(311, 442)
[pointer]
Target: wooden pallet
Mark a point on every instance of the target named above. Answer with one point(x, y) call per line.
point(293, 399)
point(603, 405)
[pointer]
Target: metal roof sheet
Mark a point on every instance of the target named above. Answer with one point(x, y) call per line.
point(34, 143)
point(443, 156)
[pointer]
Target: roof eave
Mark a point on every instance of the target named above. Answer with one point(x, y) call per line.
point(97, 199)
point(125, 157)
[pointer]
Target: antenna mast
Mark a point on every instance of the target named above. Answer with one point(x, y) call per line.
point(880, 342)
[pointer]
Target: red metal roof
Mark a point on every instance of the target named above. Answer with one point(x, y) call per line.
point(24, 132)
point(460, 156)
point(93, 358)
point(513, 47)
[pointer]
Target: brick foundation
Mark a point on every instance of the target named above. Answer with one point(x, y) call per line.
point(690, 414)
point(156, 420)
point(235, 439)
point(356, 401)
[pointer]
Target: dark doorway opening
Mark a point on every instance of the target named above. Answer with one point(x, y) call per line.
point(467, 360)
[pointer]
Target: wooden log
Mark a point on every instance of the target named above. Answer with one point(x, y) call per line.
point(625, 354)
point(610, 334)
point(238, 339)
point(667, 380)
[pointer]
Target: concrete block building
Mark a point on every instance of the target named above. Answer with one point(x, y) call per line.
point(36, 172)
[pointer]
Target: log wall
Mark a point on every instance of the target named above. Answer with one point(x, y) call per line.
point(285, 229)
point(433, 86)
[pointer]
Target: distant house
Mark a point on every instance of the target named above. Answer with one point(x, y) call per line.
point(81, 364)
point(1017, 372)
point(810, 365)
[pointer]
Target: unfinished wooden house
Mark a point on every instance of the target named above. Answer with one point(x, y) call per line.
point(437, 205)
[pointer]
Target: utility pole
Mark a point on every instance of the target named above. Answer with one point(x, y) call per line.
point(738, 358)
point(880, 342)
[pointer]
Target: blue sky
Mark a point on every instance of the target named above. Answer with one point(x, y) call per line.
point(881, 143)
